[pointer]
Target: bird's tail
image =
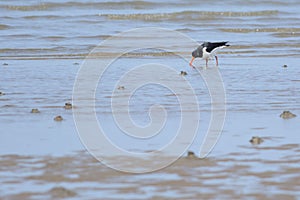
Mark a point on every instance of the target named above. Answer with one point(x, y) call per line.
point(216, 46)
point(225, 44)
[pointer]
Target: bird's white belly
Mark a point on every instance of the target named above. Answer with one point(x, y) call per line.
point(205, 54)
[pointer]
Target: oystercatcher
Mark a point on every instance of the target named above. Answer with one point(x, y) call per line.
point(207, 50)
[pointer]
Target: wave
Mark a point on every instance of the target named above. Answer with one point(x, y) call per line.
point(100, 5)
point(187, 15)
point(270, 30)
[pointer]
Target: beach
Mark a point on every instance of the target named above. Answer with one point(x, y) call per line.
point(45, 45)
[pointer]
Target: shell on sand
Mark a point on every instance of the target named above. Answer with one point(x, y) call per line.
point(287, 115)
point(68, 105)
point(35, 110)
point(255, 140)
point(58, 118)
point(183, 73)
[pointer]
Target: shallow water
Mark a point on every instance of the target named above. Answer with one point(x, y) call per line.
point(43, 46)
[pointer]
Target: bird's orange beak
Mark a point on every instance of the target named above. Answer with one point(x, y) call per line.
point(191, 62)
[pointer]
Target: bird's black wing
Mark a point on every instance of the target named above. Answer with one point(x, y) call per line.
point(212, 45)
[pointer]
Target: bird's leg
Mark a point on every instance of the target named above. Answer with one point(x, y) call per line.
point(191, 62)
point(217, 63)
point(206, 62)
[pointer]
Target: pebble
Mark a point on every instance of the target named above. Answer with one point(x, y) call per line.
point(256, 140)
point(68, 105)
point(35, 110)
point(183, 73)
point(287, 115)
point(191, 154)
point(121, 88)
point(58, 118)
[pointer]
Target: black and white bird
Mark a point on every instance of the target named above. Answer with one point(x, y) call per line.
point(208, 50)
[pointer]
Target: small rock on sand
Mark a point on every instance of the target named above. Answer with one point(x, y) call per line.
point(58, 118)
point(35, 110)
point(191, 154)
point(287, 115)
point(183, 73)
point(256, 140)
point(121, 88)
point(68, 105)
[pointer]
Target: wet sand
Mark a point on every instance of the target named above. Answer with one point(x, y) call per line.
point(235, 175)
point(48, 41)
